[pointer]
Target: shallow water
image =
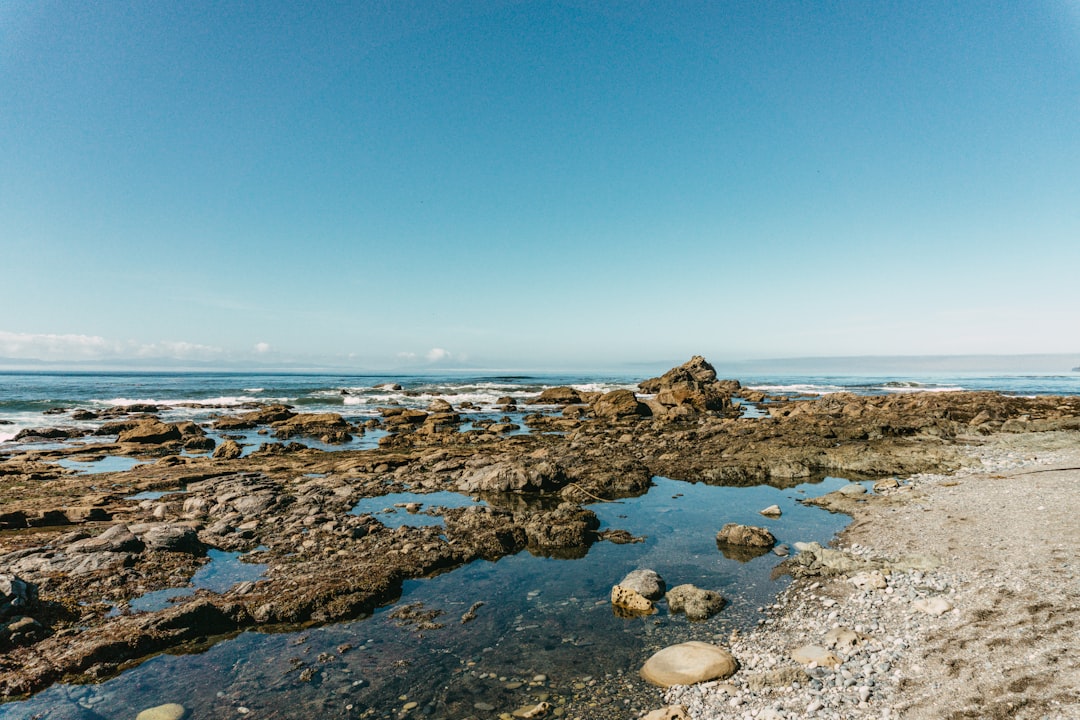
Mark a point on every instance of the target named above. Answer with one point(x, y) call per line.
point(387, 508)
point(224, 570)
point(109, 463)
point(539, 616)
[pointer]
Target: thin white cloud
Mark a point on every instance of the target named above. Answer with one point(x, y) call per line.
point(435, 355)
point(74, 347)
point(262, 347)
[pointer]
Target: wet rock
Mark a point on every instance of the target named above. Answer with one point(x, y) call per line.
point(169, 711)
point(688, 663)
point(512, 476)
point(151, 432)
point(558, 396)
point(327, 427)
point(852, 489)
point(438, 405)
point(170, 538)
point(631, 601)
point(698, 604)
point(690, 388)
point(771, 511)
point(532, 711)
point(646, 582)
point(228, 450)
point(16, 595)
point(20, 630)
point(745, 536)
point(619, 404)
point(117, 539)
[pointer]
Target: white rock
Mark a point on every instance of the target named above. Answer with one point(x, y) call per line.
point(933, 606)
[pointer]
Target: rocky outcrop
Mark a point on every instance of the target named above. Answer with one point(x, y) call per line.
point(689, 389)
point(327, 427)
point(512, 476)
point(619, 404)
point(151, 432)
point(745, 536)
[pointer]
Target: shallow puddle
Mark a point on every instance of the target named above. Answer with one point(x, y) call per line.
point(470, 642)
point(224, 570)
point(412, 509)
point(109, 463)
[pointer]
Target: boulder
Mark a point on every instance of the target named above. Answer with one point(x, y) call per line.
point(692, 387)
point(117, 539)
point(688, 663)
point(558, 396)
point(170, 538)
point(852, 489)
point(228, 450)
point(327, 427)
point(151, 432)
point(771, 511)
point(512, 476)
point(438, 405)
point(169, 711)
point(646, 582)
point(619, 404)
point(631, 601)
point(698, 604)
point(16, 595)
point(745, 536)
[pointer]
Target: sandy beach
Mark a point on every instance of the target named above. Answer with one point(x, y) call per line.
point(1002, 533)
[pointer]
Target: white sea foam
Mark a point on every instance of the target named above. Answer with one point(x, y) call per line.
point(799, 389)
point(225, 401)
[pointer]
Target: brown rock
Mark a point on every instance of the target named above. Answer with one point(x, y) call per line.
point(745, 535)
point(689, 663)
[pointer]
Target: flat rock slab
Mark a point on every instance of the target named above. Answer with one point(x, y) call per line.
point(933, 606)
point(689, 663)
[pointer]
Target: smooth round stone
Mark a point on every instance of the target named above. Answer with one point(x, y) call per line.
point(688, 663)
point(853, 489)
point(168, 711)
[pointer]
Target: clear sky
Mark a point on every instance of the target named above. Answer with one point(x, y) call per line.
point(537, 184)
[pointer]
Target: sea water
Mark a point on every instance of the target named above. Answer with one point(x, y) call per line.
point(540, 615)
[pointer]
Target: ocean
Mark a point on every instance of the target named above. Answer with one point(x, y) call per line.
point(25, 397)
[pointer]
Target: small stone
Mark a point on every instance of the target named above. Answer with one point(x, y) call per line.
point(671, 712)
point(631, 601)
point(933, 606)
point(532, 711)
point(771, 511)
point(816, 654)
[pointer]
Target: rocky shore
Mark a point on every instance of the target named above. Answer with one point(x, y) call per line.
point(950, 596)
point(77, 550)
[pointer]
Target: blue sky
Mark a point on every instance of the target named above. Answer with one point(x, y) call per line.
point(520, 184)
